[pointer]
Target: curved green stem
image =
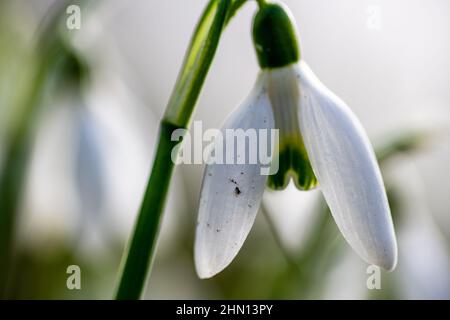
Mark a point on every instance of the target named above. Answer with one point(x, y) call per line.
point(261, 3)
point(234, 8)
point(197, 61)
point(142, 245)
point(139, 254)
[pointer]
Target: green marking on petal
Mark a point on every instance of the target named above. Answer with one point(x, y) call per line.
point(293, 163)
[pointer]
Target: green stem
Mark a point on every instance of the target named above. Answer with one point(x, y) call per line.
point(11, 179)
point(139, 254)
point(234, 8)
point(197, 61)
point(261, 3)
point(142, 246)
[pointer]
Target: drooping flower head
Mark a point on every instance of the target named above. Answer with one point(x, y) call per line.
point(321, 142)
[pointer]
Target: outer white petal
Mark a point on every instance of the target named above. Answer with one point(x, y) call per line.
point(231, 193)
point(345, 165)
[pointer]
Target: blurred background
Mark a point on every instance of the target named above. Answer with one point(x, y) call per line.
point(79, 111)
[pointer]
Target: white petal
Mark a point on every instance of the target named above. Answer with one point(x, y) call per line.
point(344, 163)
point(231, 193)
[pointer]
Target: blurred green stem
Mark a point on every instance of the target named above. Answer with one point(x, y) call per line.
point(53, 58)
point(142, 246)
point(141, 249)
point(278, 241)
point(14, 170)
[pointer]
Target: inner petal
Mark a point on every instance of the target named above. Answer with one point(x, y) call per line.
point(283, 90)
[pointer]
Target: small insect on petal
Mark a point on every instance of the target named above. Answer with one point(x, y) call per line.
point(349, 177)
point(231, 192)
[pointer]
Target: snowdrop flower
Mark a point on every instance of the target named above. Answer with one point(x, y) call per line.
point(320, 142)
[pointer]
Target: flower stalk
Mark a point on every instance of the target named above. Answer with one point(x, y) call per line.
point(139, 254)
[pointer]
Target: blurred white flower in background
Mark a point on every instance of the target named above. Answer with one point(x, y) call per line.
point(86, 165)
point(91, 163)
point(424, 260)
